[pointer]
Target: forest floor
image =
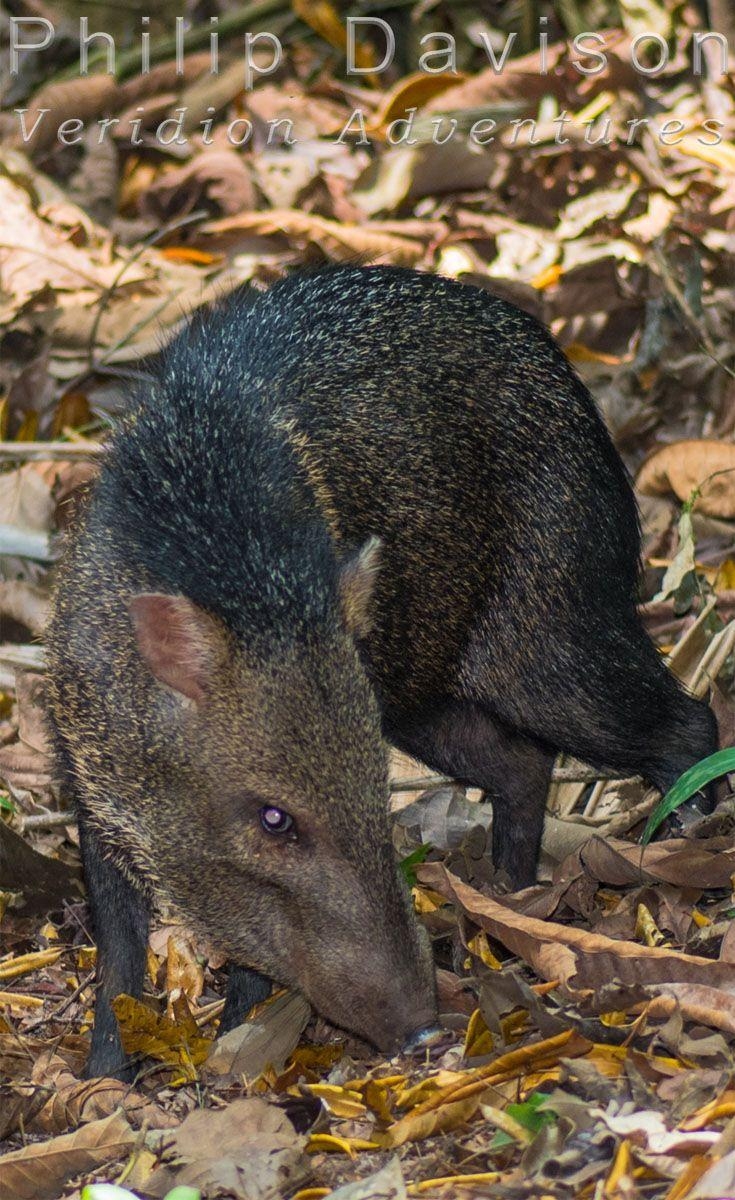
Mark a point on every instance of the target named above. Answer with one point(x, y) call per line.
point(590, 1020)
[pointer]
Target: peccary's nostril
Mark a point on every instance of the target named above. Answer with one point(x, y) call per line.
point(421, 1039)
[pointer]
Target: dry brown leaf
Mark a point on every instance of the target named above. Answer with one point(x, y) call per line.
point(684, 466)
point(35, 254)
point(218, 179)
point(38, 1171)
point(386, 1184)
point(708, 863)
point(71, 1101)
point(265, 1040)
point(582, 962)
point(249, 1151)
point(82, 99)
point(338, 241)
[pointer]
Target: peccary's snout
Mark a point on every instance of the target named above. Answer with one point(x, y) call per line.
point(422, 1039)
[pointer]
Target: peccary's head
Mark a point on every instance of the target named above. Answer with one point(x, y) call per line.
point(271, 824)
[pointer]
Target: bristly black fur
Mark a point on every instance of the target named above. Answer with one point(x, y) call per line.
point(279, 434)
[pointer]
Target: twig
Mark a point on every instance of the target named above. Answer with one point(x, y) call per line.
point(109, 291)
point(696, 327)
point(24, 543)
point(61, 1008)
point(47, 820)
point(578, 774)
point(49, 451)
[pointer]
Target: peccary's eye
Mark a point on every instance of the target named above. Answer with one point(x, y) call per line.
point(275, 820)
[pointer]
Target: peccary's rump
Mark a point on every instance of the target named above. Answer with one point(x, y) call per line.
point(230, 643)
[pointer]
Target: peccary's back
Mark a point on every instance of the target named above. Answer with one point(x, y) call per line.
point(449, 423)
point(432, 414)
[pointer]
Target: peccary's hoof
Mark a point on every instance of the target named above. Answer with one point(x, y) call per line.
point(423, 1039)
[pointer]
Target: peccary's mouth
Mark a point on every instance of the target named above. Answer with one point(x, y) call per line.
point(387, 1027)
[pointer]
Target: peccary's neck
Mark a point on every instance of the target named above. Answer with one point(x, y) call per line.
point(206, 490)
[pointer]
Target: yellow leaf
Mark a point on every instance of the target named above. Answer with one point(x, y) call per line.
point(188, 254)
point(319, 1142)
point(177, 1042)
point(480, 946)
point(378, 1100)
point(426, 901)
point(411, 1096)
point(423, 1123)
point(323, 18)
point(478, 1039)
point(413, 91)
point(18, 1000)
point(341, 1101)
point(725, 580)
point(619, 1172)
point(12, 968)
point(722, 156)
point(548, 277)
point(646, 929)
point(444, 1181)
point(576, 352)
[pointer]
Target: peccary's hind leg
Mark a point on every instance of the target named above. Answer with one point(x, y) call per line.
point(466, 741)
point(605, 696)
point(245, 988)
point(120, 920)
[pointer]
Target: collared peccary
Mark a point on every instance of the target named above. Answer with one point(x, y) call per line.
point(368, 504)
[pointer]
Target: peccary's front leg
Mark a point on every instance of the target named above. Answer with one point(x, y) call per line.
point(120, 920)
point(245, 988)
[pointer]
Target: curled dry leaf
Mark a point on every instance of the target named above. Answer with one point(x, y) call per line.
point(265, 1040)
point(184, 969)
point(249, 1151)
point(709, 863)
point(218, 179)
point(696, 464)
point(39, 1170)
point(338, 241)
point(585, 964)
point(73, 1102)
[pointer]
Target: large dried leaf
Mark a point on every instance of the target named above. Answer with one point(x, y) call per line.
point(39, 1170)
point(264, 1040)
point(249, 1151)
point(338, 241)
point(684, 467)
point(585, 964)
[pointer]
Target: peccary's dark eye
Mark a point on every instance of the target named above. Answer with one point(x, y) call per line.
point(275, 820)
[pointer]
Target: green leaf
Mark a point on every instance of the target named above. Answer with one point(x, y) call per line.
point(529, 1114)
point(183, 1193)
point(408, 864)
point(6, 804)
point(687, 785)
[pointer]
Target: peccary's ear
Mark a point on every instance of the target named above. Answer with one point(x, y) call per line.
point(357, 585)
point(181, 643)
